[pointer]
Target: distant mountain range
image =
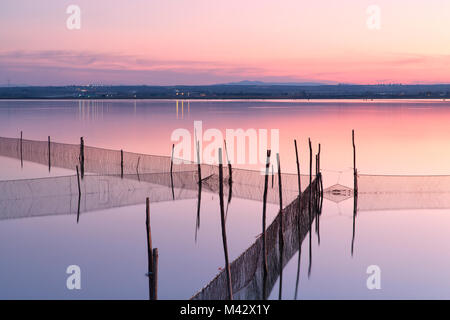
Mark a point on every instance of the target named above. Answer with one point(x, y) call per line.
point(262, 83)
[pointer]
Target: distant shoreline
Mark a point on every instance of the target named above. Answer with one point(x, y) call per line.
point(229, 92)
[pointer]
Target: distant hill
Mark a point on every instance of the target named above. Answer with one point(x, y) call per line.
point(262, 83)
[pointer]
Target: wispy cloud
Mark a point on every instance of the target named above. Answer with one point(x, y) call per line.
point(70, 67)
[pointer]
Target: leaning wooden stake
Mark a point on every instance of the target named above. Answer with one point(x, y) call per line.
point(224, 233)
point(280, 234)
point(264, 239)
point(78, 179)
point(49, 154)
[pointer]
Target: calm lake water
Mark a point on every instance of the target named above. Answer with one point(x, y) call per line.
point(410, 245)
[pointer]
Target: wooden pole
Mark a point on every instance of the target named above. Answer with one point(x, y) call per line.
point(82, 157)
point(199, 200)
point(198, 163)
point(224, 233)
point(49, 153)
point(355, 208)
point(155, 274)
point(318, 160)
point(299, 222)
point(137, 169)
point(320, 176)
point(355, 189)
point(355, 172)
point(310, 178)
point(171, 172)
point(121, 164)
point(273, 175)
point(78, 179)
point(171, 159)
point(149, 240)
point(79, 195)
point(78, 211)
point(298, 171)
point(21, 149)
point(264, 239)
point(280, 234)
point(230, 171)
point(309, 207)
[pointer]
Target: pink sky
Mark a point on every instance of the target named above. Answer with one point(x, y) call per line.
point(164, 42)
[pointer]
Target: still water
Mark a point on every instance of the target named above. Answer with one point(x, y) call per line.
point(410, 246)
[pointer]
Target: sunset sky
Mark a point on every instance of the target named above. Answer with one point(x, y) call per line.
point(168, 42)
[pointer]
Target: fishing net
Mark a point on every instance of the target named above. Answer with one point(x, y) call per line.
point(60, 195)
point(247, 271)
point(127, 184)
point(390, 192)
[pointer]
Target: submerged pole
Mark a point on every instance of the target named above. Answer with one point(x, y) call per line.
point(224, 233)
point(280, 233)
point(264, 240)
